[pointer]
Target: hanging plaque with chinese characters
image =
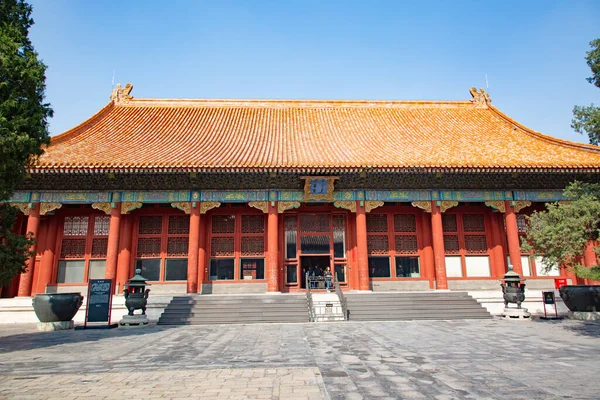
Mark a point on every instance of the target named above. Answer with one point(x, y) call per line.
point(318, 188)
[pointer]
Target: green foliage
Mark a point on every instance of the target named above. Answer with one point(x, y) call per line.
point(587, 119)
point(23, 122)
point(560, 233)
point(593, 61)
point(14, 249)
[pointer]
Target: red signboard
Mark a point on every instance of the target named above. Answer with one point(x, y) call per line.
point(559, 282)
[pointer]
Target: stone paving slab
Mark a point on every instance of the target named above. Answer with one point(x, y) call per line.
point(475, 359)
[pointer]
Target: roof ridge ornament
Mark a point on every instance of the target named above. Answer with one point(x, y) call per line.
point(480, 99)
point(121, 94)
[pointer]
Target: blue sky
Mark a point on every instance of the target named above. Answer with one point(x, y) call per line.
point(532, 52)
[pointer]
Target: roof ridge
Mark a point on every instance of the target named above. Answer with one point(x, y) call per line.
point(547, 138)
point(291, 103)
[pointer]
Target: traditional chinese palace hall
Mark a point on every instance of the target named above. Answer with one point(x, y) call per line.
point(243, 196)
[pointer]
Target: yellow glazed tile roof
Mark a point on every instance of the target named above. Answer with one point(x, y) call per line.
point(291, 135)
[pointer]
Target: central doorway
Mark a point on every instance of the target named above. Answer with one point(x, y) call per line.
point(318, 264)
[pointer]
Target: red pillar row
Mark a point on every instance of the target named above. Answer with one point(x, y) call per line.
point(202, 267)
point(428, 264)
point(48, 255)
point(438, 247)
point(498, 260)
point(33, 223)
point(512, 235)
point(361, 247)
point(112, 250)
point(272, 248)
point(192, 271)
point(124, 257)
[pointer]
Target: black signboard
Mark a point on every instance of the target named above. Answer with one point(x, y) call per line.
point(99, 300)
point(548, 297)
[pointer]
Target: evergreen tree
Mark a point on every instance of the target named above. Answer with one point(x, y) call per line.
point(587, 118)
point(23, 123)
point(561, 232)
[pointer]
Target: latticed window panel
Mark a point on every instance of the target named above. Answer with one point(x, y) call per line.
point(339, 236)
point(75, 226)
point(253, 223)
point(253, 246)
point(451, 245)
point(521, 223)
point(148, 247)
point(473, 223)
point(377, 223)
point(101, 225)
point(314, 223)
point(177, 247)
point(378, 244)
point(72, 248)
point(99, 246)
point(222, 247)
point(406, 244)
point(223, 223)
point(449, 223)
point(291, 236)
point(179, 225)
point(405, 223)
point(150, 225)
point(476, 244)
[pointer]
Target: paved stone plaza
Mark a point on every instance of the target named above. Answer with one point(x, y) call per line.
point(487, 359)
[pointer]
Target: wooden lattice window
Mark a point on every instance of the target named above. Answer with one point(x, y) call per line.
point(314, 223)
point(83, 246)
point(406, 244)
point(451, 245)
point(466, 245)
point(162, 247)
point(404, 223)
point(378, 244)
point(449, 223)
point(237, 246)
point(377, 223)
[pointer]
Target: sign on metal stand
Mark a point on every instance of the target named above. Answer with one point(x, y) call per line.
point(549, 298)
point(99, 304)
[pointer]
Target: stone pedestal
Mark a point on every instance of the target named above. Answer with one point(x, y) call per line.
point(585, 315)
point(55, 326)
point(519, 314)
point(133, 321)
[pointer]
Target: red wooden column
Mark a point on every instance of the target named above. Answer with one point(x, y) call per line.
point(112, 250)
point(589, 259)
point(362, 254)
point(512, 235)
point(272, 248)
point(439, 255)
point(47, 263)
point(497, 252)
point(124, 258)
point(202, 269)
point(192, 271)
point(33, 223)
point(428, 257)
point(589, 255)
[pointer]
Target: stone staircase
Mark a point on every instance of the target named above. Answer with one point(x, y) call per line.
point(414, 305)
point(235, 309)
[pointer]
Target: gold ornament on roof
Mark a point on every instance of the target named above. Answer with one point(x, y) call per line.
point(121, 94)
point(370, 205)
point(445, 205)
point(261, 205)
point(208, 205)
point(286, 205)
point(184, 206)
point(424, 205)
point(347, 204)
point(24, 207)
point(521, 204)
point(45, 208)
point(497, 204)
point(128, 206)
point(102, 207)
point(481, 99)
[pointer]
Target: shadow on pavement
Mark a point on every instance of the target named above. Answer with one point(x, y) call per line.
point(32, 339)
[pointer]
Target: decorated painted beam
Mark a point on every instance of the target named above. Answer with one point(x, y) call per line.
point(246, 196)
